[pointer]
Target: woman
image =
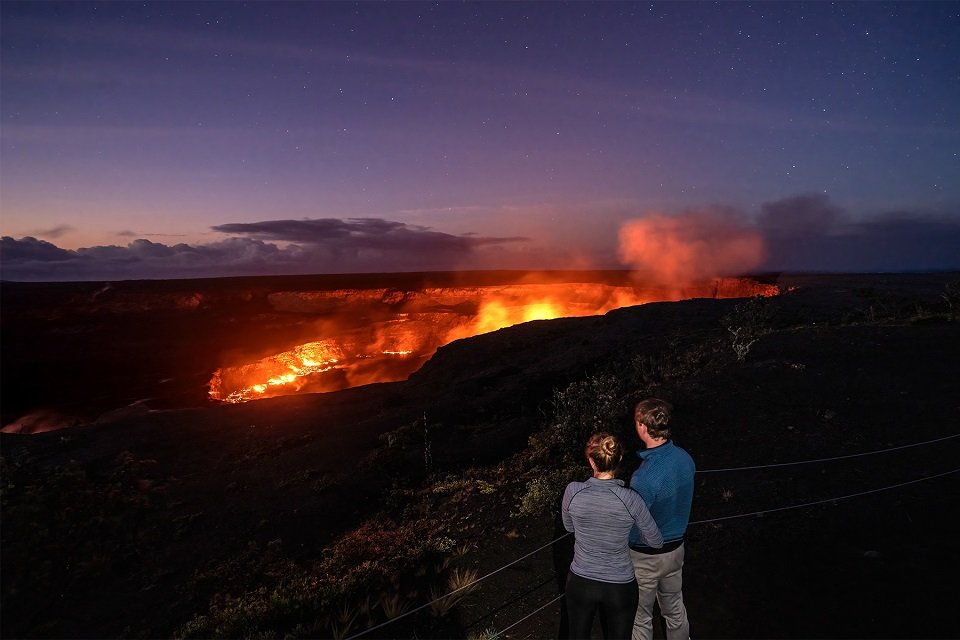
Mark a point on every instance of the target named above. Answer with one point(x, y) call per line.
point(600, 513)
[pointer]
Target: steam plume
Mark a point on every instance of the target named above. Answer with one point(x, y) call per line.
point(691, 247)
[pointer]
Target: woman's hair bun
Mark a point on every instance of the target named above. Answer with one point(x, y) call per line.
point(605, 450)
point(609, 446)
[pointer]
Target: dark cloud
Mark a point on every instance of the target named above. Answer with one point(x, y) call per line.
point(800, 215)
point(810, 233)
point(356, 234)
point(309, 246)
point(55, 232)
point(29, 249)
point(30, 259)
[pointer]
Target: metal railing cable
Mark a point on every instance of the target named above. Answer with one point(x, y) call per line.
point(457, 590)
point(834, 499)
point(845, 457)
point(532, 613)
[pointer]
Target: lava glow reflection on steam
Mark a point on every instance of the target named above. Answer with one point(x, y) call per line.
point(407, 327)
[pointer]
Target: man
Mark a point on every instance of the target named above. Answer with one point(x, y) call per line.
point(665, 482)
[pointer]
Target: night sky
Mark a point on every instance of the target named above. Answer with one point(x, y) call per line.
point(173, 139)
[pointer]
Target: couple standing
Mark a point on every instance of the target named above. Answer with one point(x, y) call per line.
point(628, 548)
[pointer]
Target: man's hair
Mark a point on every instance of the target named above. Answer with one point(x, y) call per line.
point(655, 414)
point(605, 451)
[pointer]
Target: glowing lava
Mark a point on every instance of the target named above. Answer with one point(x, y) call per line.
point(284, 369)
point(405, 328)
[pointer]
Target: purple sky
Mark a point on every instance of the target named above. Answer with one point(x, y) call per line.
point(177, 139)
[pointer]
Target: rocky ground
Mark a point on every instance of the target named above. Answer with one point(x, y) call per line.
point(316, 515)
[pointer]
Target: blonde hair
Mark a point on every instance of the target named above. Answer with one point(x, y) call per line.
point(605, 450)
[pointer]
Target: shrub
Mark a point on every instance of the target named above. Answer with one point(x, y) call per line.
point(578, 411)
point(346, 617)
point(393, 605)
point(747, 323)
point(649, 374)
point(463, 581)
point(543, 494)
point(459, 585)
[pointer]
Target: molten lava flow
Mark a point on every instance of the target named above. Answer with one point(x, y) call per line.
point(408, 327)
point(289, 370)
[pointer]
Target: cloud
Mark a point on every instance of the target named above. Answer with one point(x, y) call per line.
point(54, 232)
point(29, 249)
point(800, 215)
point(309, 246)
point(356, 234)
point(31, 259)
point(811, 233)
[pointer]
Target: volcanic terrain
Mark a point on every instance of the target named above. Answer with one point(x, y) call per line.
point(147, 505)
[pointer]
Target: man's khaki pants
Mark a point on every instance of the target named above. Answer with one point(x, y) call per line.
point(660, 577)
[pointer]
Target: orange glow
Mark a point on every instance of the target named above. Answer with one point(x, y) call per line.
point(541, 311)
point(677, 250)
point(279, 370)
point(412, 325)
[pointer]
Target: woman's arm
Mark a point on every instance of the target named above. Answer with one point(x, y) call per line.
point(645, 522)
point(565, 508)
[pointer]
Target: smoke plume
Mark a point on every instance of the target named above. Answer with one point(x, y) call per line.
point(691, 247)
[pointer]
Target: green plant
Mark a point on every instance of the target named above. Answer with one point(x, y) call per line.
point(459, 585)
point(543, 493)
point(579, 410)
point(440, 602)
point(365, 608)
point(485, 634)
point(393, 605)
point(463, 581)
point(340, 630)
point(346, 617)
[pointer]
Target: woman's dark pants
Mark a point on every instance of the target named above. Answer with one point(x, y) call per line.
point(617, 604)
